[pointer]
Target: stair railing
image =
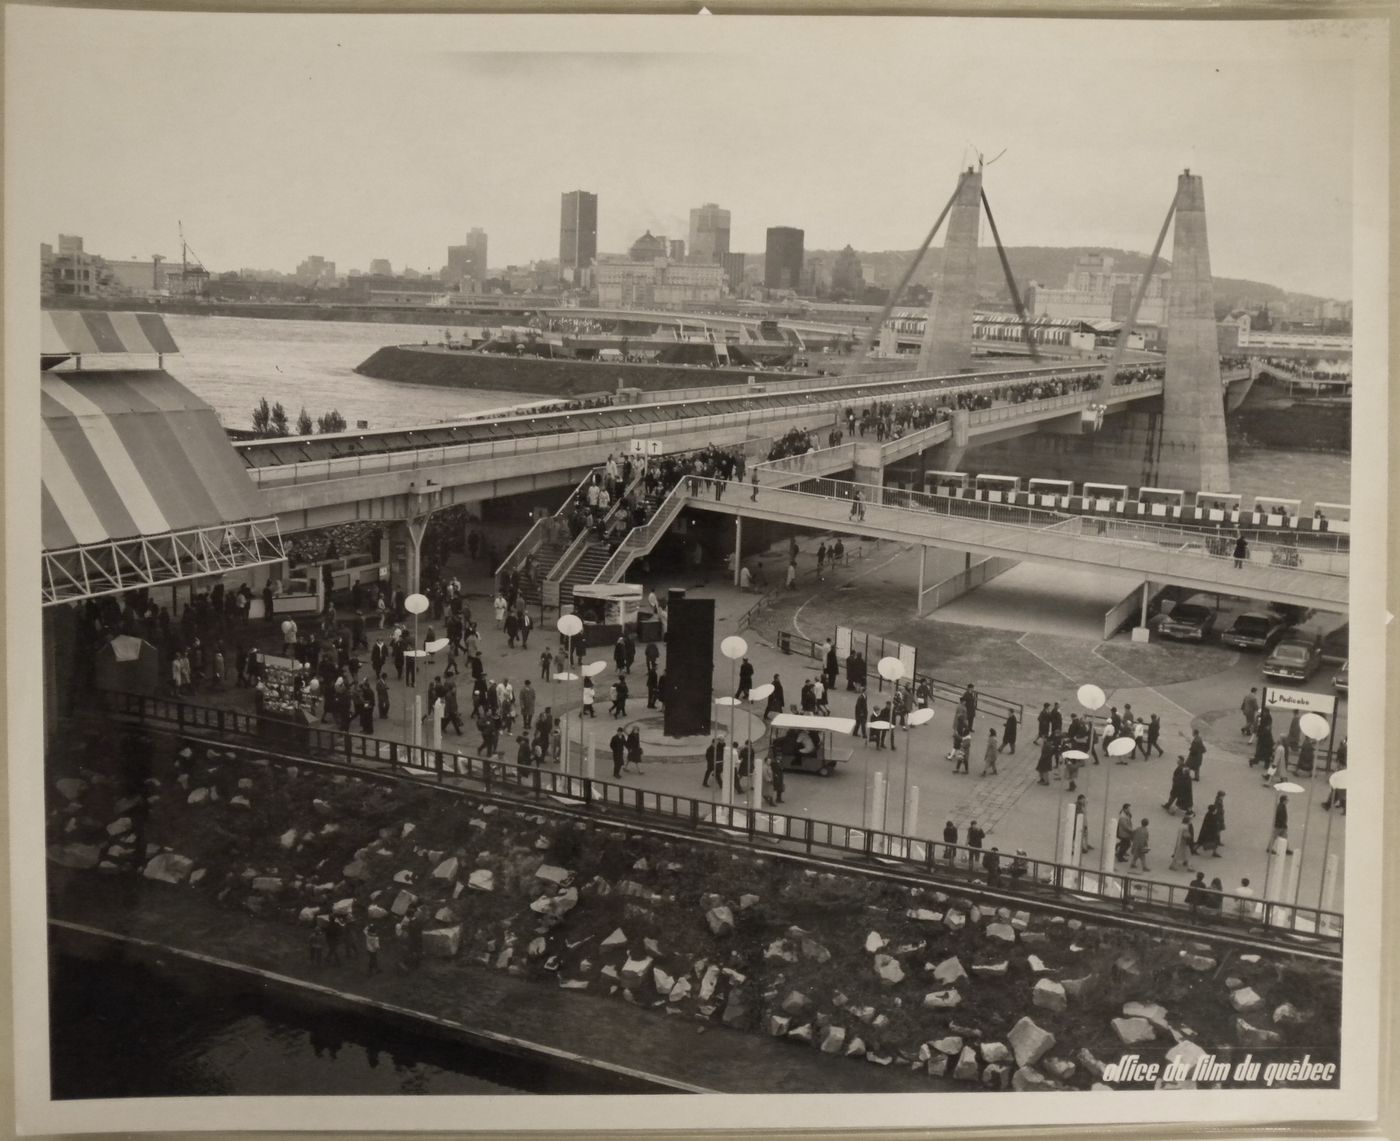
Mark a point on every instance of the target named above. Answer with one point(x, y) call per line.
point(641, 539)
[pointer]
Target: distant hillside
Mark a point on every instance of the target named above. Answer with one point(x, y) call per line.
point(1048, 265)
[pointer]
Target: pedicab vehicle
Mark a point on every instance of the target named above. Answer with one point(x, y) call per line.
point(803, 742)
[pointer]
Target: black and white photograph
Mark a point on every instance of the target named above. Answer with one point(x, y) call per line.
point(560, 562)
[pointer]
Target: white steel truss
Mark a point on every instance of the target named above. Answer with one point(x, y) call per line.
point(97, 569)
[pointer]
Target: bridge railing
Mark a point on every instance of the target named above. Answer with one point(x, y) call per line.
point(535, 537)
point(679, 422)
point(641, 539)
point(560, 570)
point(1045, 879)
point(1170, 553)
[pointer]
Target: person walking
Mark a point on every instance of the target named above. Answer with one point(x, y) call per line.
point(1081, 816)
point(1154, 733)
point(1047, 760)
point(1042, 723)
point(968, 701)
point(1249, 708)
point(618, 744)
point(619, 705)
point(589, 696)
point(1185, 844)
point(1209, 835)
point(1123, 833)
point(1140, 846)
point(775, 774)
point(634, 749)
point(653, 685)
point(1180, 795)
point(989, 757)
point(381, 691)
point(1241, 550)
point(1281, 822)
point(862, 714)
point(1196, 895)
point(790, 579)
point(1195, 754)
point(714, 758)
point(950, 838)
point(777, 700)
point(745, 680)
point(1008, 733)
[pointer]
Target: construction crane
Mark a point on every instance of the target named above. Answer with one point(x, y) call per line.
point(186, 252)
point(156, 259)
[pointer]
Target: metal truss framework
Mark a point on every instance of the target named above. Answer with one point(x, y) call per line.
point(98, 569)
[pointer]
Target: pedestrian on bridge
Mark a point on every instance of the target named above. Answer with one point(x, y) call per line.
point(1195, 754)
point(1185, 844)
point(1140, 846)
point(1241, 550)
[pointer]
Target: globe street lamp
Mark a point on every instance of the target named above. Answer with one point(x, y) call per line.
point(909, 814)
point(1092, 699)
point(892, 670)
point(570, 626)
point(1275, 887)
point(1338, 781)
point(733, 647)
point(1314, 727)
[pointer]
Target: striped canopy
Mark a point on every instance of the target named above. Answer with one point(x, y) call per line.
point(70, 331)
point(131, 454)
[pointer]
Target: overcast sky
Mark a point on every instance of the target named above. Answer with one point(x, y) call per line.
point(275, 137)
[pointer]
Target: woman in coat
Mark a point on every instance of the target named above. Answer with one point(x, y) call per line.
point(588, 698)
point(1185, 844)
point(634, 748)
point(1209, 836)
point(1047, 759)
point(1008, 733)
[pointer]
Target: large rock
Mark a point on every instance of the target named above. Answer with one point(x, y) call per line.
point(552, 873)
point(447, 870)
point(924, 915)
point(75, 855)
point(483, 879)
point(802, 1033)
point(618, 938)
point(747, 900)
point(955, 920)
point(942, 999)
point(198, 796)
point(680, 991)
point(267, 885)
point(1186, 1052)
point(1251, 1035)
point(995, 1052)
point(1061, 1069)
point(736, 1009)
point(556, 905)
point(71, 788)
point(345, 907)
point(168, 867)
point(709, 983)
point(1003, 931)
point(634, 971)
point(795, 1002)
point(1049, 995)
point(874, 941)
point(833, 1040)
point(1029, 1043)
point(1089, 1062)
point(777, 1025)
point(1134, 1031)
point(1026, 1079)
point(855, 1048)
point(119, 827)
point(950, 1045)
point(1245, 999)
point(442, 942)
point(288, 839)
point(1077, 988)
point(990, 970)
point(888, 970)
point(720, 919)
point(1286, 1012)
point(996, 1077)
point(950, 970)
point(355, 870)
point(1154, 1012)
point(813, 950)
point(966, 1069)
point(1037, 964)
point(780, 951)
point(402, 902)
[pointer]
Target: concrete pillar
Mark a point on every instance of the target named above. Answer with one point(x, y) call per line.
point(1192, 451)
point(405, 553)
point(738, 546)
point(947, 343)
point(868, 468)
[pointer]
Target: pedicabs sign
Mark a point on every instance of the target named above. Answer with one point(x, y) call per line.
point(1297, 700)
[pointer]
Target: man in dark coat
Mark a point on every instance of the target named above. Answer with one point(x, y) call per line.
point(745, 680)
point(1181, 792)
point(1042, 724)
point(1195, 754)
point(862, 713)
point(618, 744)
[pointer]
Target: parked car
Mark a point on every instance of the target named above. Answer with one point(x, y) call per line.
point(1189, 621)
point(1295, 658)
point(1339, 679)
point(1256, 630)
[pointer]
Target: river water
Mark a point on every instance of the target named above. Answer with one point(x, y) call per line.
point(232, 362)
point(190, 1037)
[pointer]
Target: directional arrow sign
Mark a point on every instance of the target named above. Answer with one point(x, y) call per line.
point(1289, 700)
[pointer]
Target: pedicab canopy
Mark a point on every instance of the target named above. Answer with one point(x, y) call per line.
point(812, 721)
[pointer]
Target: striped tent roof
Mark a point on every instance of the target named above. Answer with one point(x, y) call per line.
point(130, 454)
point(70, 331)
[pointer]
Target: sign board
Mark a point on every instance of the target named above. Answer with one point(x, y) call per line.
point(644, 447)
point(873, 648)
point(1298, 700)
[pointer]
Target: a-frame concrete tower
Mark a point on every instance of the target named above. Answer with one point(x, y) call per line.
point(948, 335)
point(1192, 453)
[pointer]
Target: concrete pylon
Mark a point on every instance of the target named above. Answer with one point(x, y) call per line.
point(1193, 453)
point(948, 335)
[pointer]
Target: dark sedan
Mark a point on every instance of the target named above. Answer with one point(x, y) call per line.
point(1254, 631)
point(1294, 659)
point(1188, 621)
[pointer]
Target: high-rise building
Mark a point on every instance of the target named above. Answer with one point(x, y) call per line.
point(380, 267)
point(847, 275)
point(316, 270)
point(578, 232)
point(476, 254)
point(733, 265)
point(648, 247)
point(709, 234)
point(782, 259)
point(677, 251)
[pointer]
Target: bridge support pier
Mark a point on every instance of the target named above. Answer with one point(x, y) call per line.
point(405, 539)
point(869, 468)
point(948, 456)
point(738, 546)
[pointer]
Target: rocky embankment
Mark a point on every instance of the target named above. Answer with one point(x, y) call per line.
point(868, 972)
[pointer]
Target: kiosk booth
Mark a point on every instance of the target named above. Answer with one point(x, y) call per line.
point(607, 610)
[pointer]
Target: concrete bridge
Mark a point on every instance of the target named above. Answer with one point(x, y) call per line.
point(1156, 553)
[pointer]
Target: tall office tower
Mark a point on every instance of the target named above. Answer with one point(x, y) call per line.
point(782, 259)
point(578, 231)
point(709, 234)
point(476, 254)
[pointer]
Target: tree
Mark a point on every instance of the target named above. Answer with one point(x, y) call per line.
point(304, 426)
point(278, 426)
point(332, 421)
point(262, 417)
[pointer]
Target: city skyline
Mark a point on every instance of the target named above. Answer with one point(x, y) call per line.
point(1275, 161)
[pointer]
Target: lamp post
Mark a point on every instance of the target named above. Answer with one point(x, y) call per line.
point(570, 626)
point(1092, 699)
point(415, 604)
point(892, 670)
point(588, 670)
point(908, 816)
point(1338, 781)
point(1314, 727)
point(1276, 885)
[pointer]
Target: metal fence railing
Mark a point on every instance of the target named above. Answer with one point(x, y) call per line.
point(1031, 878)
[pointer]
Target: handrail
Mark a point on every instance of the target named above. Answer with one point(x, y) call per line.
point(533, 539)
point(1031, 878)
point(640, 539)
point(583, 540)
